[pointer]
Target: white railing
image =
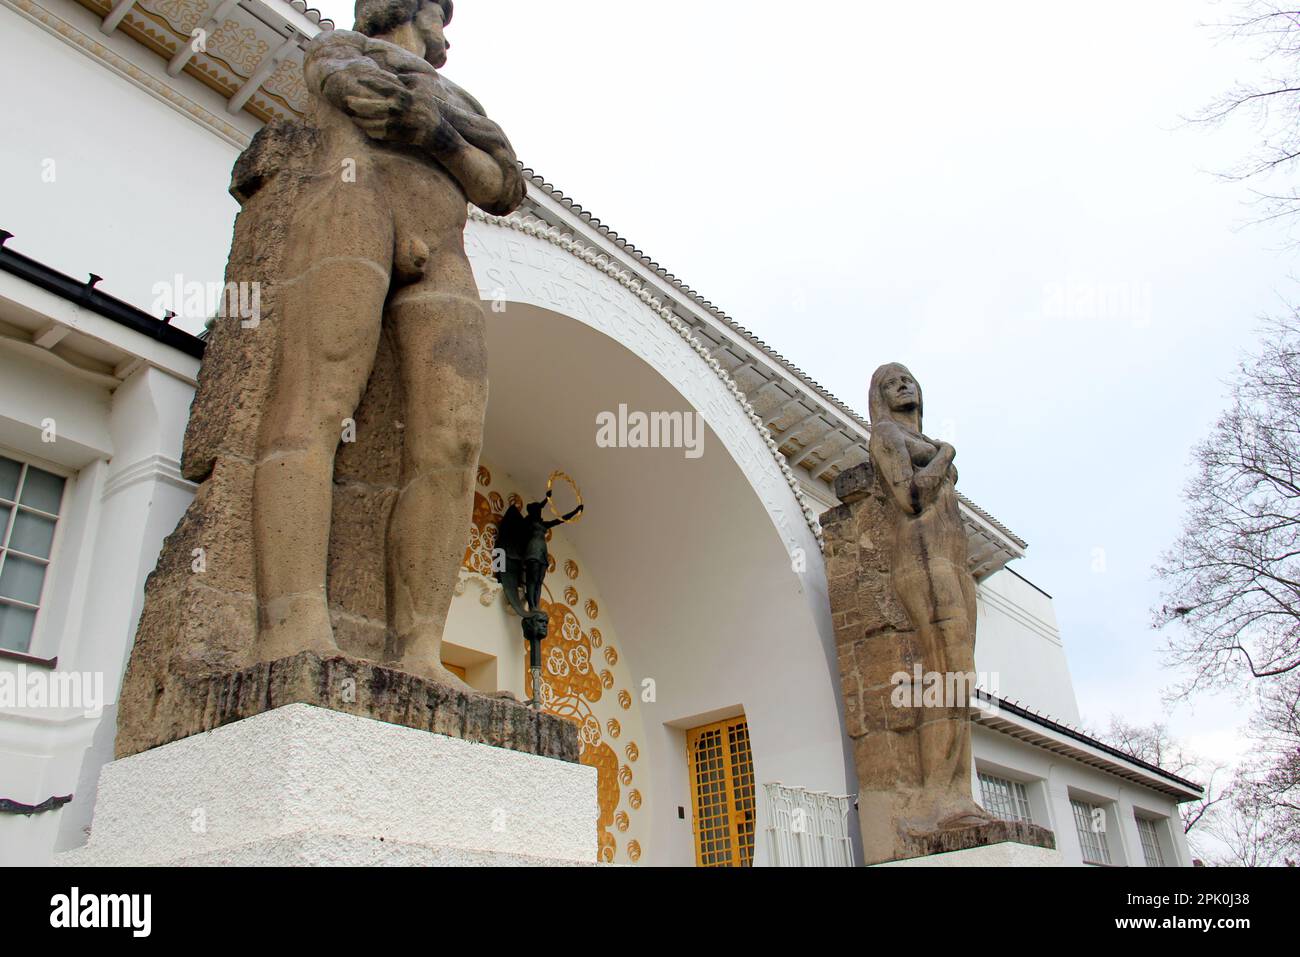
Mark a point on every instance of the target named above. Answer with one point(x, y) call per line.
point(808, 828)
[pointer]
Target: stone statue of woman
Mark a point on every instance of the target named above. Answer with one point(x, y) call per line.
point(931, 577)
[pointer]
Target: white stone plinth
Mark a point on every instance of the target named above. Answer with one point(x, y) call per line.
point(305, 785)
point(1006, 854)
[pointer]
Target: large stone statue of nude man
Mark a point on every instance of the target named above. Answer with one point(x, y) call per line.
point(376, 241)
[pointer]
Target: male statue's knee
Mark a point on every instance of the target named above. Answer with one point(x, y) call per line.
point(445, 451)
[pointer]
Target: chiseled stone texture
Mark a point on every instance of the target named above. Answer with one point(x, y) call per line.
point(995, 832)
point(875, 639)
point(194, 703)
point(309, 785)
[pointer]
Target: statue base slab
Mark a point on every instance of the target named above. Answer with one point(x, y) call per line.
point(1007, 854)
point(993, 844)
point(306, 785)
point(192, 704)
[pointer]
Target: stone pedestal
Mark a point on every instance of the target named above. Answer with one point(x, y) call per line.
point(186, 704)
point(876, 642)
point(306, 785)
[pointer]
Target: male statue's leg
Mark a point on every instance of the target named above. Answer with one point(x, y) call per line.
point(443, 360)
point(331, 314)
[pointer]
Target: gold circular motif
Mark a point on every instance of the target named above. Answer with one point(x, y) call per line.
point(632, 751)
point(571, 568)
point(550, 486)
point(634, 851)
point(622, 821)
point(593, 610)
point(625, 699)
point(596, 638)
point(634, 799)
point(613, 727)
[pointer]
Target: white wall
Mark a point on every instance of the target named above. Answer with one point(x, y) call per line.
point(1018, 642)
point(139, 190)
point(1051, 780)
point(118, 506)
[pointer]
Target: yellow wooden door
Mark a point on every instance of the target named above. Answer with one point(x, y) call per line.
point(722, 793)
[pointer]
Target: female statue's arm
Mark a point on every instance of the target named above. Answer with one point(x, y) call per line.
point(911, 489)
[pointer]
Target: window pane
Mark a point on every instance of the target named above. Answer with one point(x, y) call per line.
point(16, 627)
point(4, 521)
point(9, 470)
point(33, 534)
point(42, 490)
point(21, 579)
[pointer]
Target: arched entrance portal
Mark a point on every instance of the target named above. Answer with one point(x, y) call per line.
point(688, 559)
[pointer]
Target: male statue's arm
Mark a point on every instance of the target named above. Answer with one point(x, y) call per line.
point(470, 147)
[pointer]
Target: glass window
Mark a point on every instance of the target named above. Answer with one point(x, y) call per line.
point(1005, 799)
point(1151, 852)
point(30, 499)
point(1090, 822)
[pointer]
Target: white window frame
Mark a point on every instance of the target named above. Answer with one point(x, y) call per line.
point(1092, 842)
point(1014, 800)
point(1149, 829)
point(27, 460)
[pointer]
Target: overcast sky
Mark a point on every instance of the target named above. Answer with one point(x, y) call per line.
point(1004, 197)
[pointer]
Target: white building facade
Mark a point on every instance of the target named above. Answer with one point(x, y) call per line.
point(686, 627)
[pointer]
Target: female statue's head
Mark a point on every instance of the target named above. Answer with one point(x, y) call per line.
point(376, 18)
point(895, 394)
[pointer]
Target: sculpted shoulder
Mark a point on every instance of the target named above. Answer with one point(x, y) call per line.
point(348, 44)
point(888, 434)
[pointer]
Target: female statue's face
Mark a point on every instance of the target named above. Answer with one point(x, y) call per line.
point(901, 391)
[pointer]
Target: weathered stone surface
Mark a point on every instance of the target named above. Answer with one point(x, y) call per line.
point(902, 598)
point(980, 835)
point(855, 484)
point(193, 703)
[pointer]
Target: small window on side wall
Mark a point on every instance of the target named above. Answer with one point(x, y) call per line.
point(30, 500)
point(1090, 823)
point(1149, 832)
point(1004, 798)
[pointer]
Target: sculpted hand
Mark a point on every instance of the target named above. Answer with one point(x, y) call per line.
point(384, 109)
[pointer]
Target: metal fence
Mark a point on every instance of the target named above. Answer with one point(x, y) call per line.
point(808, 828)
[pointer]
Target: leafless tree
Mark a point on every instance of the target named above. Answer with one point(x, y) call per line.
point(1249, 836)
point(1155, 745)
point(1232, 580)
point(1271, 102)
point(1231, 583)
